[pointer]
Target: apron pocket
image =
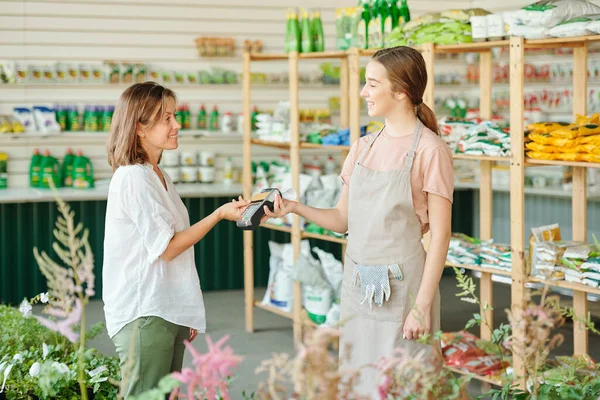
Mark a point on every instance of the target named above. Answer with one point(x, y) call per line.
point(375, 292)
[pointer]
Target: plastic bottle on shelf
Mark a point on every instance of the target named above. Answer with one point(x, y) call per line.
point(62, 117)
point(404, 13)
point(393, 12)
point(330, 166)
point(214, 119)
point(292, 33)
point(67, 168)
point(363, 24)
point(107, 118)
point(185, 117)
point(49, 171)
point(228, 171)
point(307, 40)
point(35, 168)
point(73, 119)
point(227, 123)
point(202, 118)
point(318, 38)
point(374, 26)
point(98, 114)
point(179, 116)
point(253, 118)
point(83, 172)
point(240, 123)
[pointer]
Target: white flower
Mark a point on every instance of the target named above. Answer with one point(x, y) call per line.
point(45, 350)
point(18, 357)
point(25, 308)
point(44, 298)
point(60, 367)
point(35, 369)
point(6, 372)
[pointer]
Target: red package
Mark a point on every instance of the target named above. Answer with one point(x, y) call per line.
point(459, 347)
point(485, 365)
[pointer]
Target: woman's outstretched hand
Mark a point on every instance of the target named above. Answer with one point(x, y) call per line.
point(281, 208)
point(233, 211)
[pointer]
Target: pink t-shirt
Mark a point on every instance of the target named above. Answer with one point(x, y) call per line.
point(432, 171)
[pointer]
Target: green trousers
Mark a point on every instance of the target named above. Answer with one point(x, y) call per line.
point(149, 348)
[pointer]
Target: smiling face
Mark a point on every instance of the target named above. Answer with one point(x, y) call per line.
point(162, 133)
point(377, 92)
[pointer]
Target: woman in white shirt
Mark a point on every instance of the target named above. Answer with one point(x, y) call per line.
point(151, 291)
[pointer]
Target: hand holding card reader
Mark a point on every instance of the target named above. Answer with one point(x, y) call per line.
point(251, 217)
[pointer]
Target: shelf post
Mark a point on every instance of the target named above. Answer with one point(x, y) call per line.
point(354, 93)
point(486, 212)
point(517, 197)
point(579, 202)
point(428, 52)
point(295, 163)
point(247, 192)
point(344, 99)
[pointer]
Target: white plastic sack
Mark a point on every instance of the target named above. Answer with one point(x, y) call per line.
point(309, 271)
point(280, 286)
point(577, 27)
point(317, 302)
point(333, 316)
point(333, 270)
point(548, 13)
point(528, 32)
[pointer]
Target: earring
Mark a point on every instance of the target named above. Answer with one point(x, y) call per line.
point(142, 135)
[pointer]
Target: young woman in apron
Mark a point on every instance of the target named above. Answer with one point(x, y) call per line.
point(398, 184)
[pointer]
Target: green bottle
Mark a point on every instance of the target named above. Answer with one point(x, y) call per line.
point(385, 21)
point(83, 172)
point(292, 34)
point(404, 13)
point(317, 32)
point(363, 24)
point(306, 44)
point(62, 117)
point(49, 171)
point(74, 124)
point(179, 116)
point(374, 26)
point(186, 117)
point(34, 169)
point(67, 168)
point(107, 118)
point(202, 118)
point(393, 12)
point(253, 118)
point(214, 119)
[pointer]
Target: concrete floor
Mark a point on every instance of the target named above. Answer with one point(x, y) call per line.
point(225, 315)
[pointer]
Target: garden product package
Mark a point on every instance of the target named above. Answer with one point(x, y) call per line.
point(280, 285)
point(579, 26)
point(549, 13)
point(484, 139)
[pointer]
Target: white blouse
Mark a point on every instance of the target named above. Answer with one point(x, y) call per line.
point(141, 219)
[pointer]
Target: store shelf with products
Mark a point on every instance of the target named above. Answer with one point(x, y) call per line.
point(294, 146)
point(479, 268)
point(100, 192)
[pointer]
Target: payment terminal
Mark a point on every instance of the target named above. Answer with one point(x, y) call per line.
point(250, 219)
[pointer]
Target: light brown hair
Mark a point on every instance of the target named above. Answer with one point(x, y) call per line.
point(407, 72)
point(142, 103)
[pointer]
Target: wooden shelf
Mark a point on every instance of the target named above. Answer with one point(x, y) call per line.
point(578, 41)
point(327, 238)
point(486, 379)
point(280, 228)
point(321, 55)
point(272, 309)
point(470, 47)
point(533, 161)
point(266, 143)
point(496, 271)
point(480, 158)
point(268, 56)
point(305, 145)
point(566, 285)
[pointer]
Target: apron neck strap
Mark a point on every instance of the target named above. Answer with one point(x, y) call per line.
point(364, 152)
point(410, 156)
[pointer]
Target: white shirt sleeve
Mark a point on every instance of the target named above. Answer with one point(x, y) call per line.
point(144, 206)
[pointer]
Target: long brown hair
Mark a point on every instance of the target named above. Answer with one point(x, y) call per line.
point(407, 72)
point(141, 103)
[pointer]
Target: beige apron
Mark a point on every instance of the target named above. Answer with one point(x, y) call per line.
point(383, 266)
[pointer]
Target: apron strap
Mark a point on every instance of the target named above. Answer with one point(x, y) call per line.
point(364, 152)
point(410, 156)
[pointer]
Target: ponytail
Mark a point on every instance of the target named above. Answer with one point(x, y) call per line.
point(428, 118)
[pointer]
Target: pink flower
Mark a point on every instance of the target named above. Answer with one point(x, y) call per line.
point(65, 327)
point(383, 387)
point(211, 370)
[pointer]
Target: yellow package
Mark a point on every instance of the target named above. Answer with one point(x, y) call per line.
point(547, 139)
point(593, 158)
point(541, 148)
point(592, 139)
point(567, 157)
point(576, 131)
point(584, 120)
point(588, 149)
point(541, 156)
point(547, 127)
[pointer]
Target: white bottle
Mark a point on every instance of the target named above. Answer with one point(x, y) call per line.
point(330, 166)
point(228, 171)
point(240, 123)
point(227, 123)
